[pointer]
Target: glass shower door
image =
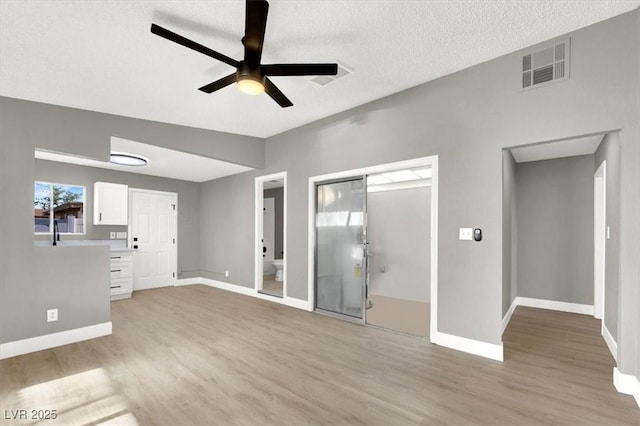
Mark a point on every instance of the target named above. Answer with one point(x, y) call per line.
point(340, 274)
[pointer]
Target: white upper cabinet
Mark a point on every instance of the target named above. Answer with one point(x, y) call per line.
point(110, 203)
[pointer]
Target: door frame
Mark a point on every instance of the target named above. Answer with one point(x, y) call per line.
point(259, 205)
point(174, 195)
point(600, 240)
point(380, 168)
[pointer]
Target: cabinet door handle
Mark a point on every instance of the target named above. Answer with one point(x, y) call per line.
point(116, 270)
point(115, 286)
point(100, 218)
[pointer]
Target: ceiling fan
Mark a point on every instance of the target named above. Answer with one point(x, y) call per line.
point(251, 76)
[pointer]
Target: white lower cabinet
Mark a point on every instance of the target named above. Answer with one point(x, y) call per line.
point(121, 275)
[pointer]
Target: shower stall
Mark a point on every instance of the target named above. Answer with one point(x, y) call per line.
point(341, 247)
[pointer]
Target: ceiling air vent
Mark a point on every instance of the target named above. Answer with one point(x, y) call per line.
point(323, 80)
point(546, 65)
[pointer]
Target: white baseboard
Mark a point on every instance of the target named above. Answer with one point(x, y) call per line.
point(553, 305)
point(611, 343)
point(187, 281)
point(34, 344)
point(475, 347)
point(627, 384)
point(508, 315)
point(247, 291)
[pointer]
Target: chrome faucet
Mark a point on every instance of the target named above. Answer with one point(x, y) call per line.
point(56, 233)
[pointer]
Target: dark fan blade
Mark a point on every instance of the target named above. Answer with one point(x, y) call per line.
point(176, 38)
point(299, 69)
point(219, 84)
point(276, 94)
point(255, 26)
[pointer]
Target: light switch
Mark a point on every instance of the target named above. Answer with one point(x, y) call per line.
point(466, 234)
point(112, 235)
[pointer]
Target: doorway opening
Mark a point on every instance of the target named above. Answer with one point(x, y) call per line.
point(398, 223)
point(361, 267)
point(557, 252)
point(271, 234)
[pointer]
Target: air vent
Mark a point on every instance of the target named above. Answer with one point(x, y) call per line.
point(323, 80)
point(546, 65)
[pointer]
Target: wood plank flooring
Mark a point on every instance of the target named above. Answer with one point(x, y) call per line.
point(271, 286)
point(195, 355)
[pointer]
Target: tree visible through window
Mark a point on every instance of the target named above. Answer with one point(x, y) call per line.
point(61, 203)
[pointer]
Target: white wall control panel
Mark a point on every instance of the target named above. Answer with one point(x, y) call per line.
point(466, 234)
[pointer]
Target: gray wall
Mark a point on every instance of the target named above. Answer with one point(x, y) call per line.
point(188, 203)
point(399, 233)
point(627, 349)
point(88, 133)
point(26, 125)
point(554, 204)
point(509, 231)
point(278, 195)
point(609, 150)
point(467, 118)
point(227, 229)
point(75, 280)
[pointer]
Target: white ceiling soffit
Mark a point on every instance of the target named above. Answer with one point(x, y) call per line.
point(163, 162)
point(101, 55)
point(560, 149)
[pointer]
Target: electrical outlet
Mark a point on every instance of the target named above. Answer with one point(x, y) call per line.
point(112, 235)
point(121, 235)
point(52, 315)
point(226, 273)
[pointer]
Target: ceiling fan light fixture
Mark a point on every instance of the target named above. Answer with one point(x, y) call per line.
point(127, 159)
point(250, 86)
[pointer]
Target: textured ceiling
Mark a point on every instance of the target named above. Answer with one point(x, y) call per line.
point(101, 56)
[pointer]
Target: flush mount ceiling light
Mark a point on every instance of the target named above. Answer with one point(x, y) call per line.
point(127, 159)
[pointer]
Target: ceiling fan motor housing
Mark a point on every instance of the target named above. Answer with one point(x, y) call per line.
point(247, 72)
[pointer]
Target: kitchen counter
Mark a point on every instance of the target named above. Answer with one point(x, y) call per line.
point(121, 250)
point(116, 246)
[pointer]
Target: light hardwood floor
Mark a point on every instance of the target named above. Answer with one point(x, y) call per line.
point(195, 355)
point(271, 286)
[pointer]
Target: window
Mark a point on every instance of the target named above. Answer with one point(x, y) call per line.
point(63, 204)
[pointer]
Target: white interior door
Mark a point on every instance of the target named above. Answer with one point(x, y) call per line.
point(268, 235)
point(153, 233)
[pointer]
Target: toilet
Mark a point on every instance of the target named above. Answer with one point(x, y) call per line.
point(278, 263)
